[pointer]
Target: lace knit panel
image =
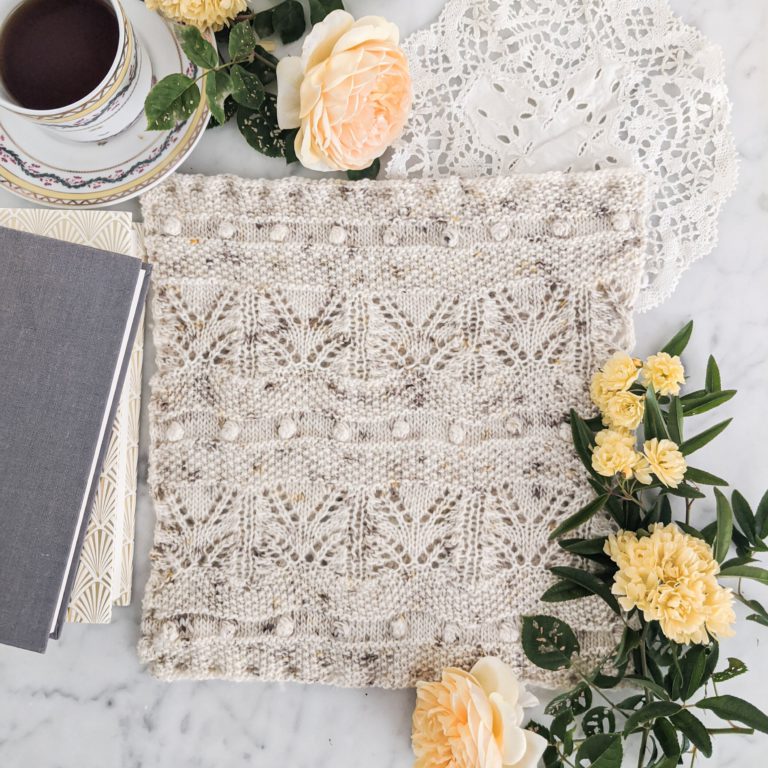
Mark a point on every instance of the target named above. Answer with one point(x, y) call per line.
point(358, 424)
point(525, 86)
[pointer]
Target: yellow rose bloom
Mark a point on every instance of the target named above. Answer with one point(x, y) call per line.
point(642, 469)
point(475, 720)
point(614, 453)
point(623, 410)
point(203, 14)
point(666, 461)
point(620, 372)
point(671, 578)
point(664, 373)
point(599, 391)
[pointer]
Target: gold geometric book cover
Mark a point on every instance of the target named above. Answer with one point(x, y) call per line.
point(103, 573)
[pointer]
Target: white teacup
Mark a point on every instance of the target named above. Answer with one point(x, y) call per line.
point(110, 107)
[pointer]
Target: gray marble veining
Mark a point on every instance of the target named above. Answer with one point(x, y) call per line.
point(88, 704)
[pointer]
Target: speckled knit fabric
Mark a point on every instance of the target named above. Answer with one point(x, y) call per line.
point(358, 421)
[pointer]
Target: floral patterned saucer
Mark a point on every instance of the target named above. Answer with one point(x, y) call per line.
point(38, 165)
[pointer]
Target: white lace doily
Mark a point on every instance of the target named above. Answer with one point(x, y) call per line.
point(504, 86)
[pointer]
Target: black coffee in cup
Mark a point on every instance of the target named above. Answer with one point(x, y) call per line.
point(54, 52)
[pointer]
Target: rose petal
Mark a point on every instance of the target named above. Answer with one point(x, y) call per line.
point(495, 676)
point(368, 28)
point(534, 749)
point(290, 73)
point(506, 728)
point(319, 43)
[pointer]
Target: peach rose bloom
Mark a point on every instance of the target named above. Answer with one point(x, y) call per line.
point(349, 93)
point(474, 720)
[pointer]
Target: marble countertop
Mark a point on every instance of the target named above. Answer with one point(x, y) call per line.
point(87, 703)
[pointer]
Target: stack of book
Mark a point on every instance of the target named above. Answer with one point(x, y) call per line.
point(71, 328)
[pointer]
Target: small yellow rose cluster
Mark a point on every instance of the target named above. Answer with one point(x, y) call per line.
point(474, 720)
point(672, 578)
point(622, 411)
point(203, 14)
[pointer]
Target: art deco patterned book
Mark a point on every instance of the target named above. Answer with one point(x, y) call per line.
point(359, 438)
point(68, 317)
point(105, 568)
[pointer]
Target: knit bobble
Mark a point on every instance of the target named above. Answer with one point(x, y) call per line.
point(560, 228)
point(278, 233)
point(399, 628)
point(230, 431)
point(286, 429)
point(451, 633)
point(340, 629)
point(227, 630)
point(499, 232)
point(456, 434)
point(400, 429)
point(451, 238)
point(513, 426)
point(226, 230)
point(172, 226)
point(284, 627)
point(508, 632)
point(390, 237)
point(174, 432)
point(565, 432)
point(621, 222)
point(337, 235)
point(342, 433)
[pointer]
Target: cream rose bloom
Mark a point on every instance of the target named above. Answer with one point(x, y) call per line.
point(474, 720)
point(203, 14)
point(614, 453)
point(620, 372)
point(672, 578)
point(666, 461)
point(624, 410)
point(664, 373)
point(349, 93)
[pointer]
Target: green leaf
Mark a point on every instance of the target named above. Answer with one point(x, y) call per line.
point(744, 516)
point(230, 108)
point(666, 735)
point(692, 669)
point(588, 581)
point(655, 426)
point(746, 572)
point(172, 100)
point(199, 51)
point(603, 750)
point(217, 88)
point(242, 41)
point(735, 668)
point(694, 729)
point(371, 172)
point(649, 713)
point(685, 492)
point(675, 419)
point(548, 642)
point(579, 518)
point(761, 518)
point(692, 406)
point(758, 619)
point(598, 720)
point(712, 378)
point(262, 24)
point(700, 440)
point(734, 708)
point(583, 442)
point(247, 89)
point(260, 128)
point(577, 700)
point(584, 547)
point(648, 685)
point(288, 21)
point(290, 146)
point(724, 527)
point(264, 66)
point(679, 341)
point(319, 9)
point(563, 591)
point(703, 478)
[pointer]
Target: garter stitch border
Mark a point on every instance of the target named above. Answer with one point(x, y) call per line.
point(358, 423)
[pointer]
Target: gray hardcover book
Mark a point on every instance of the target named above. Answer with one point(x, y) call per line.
point(68, 315)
